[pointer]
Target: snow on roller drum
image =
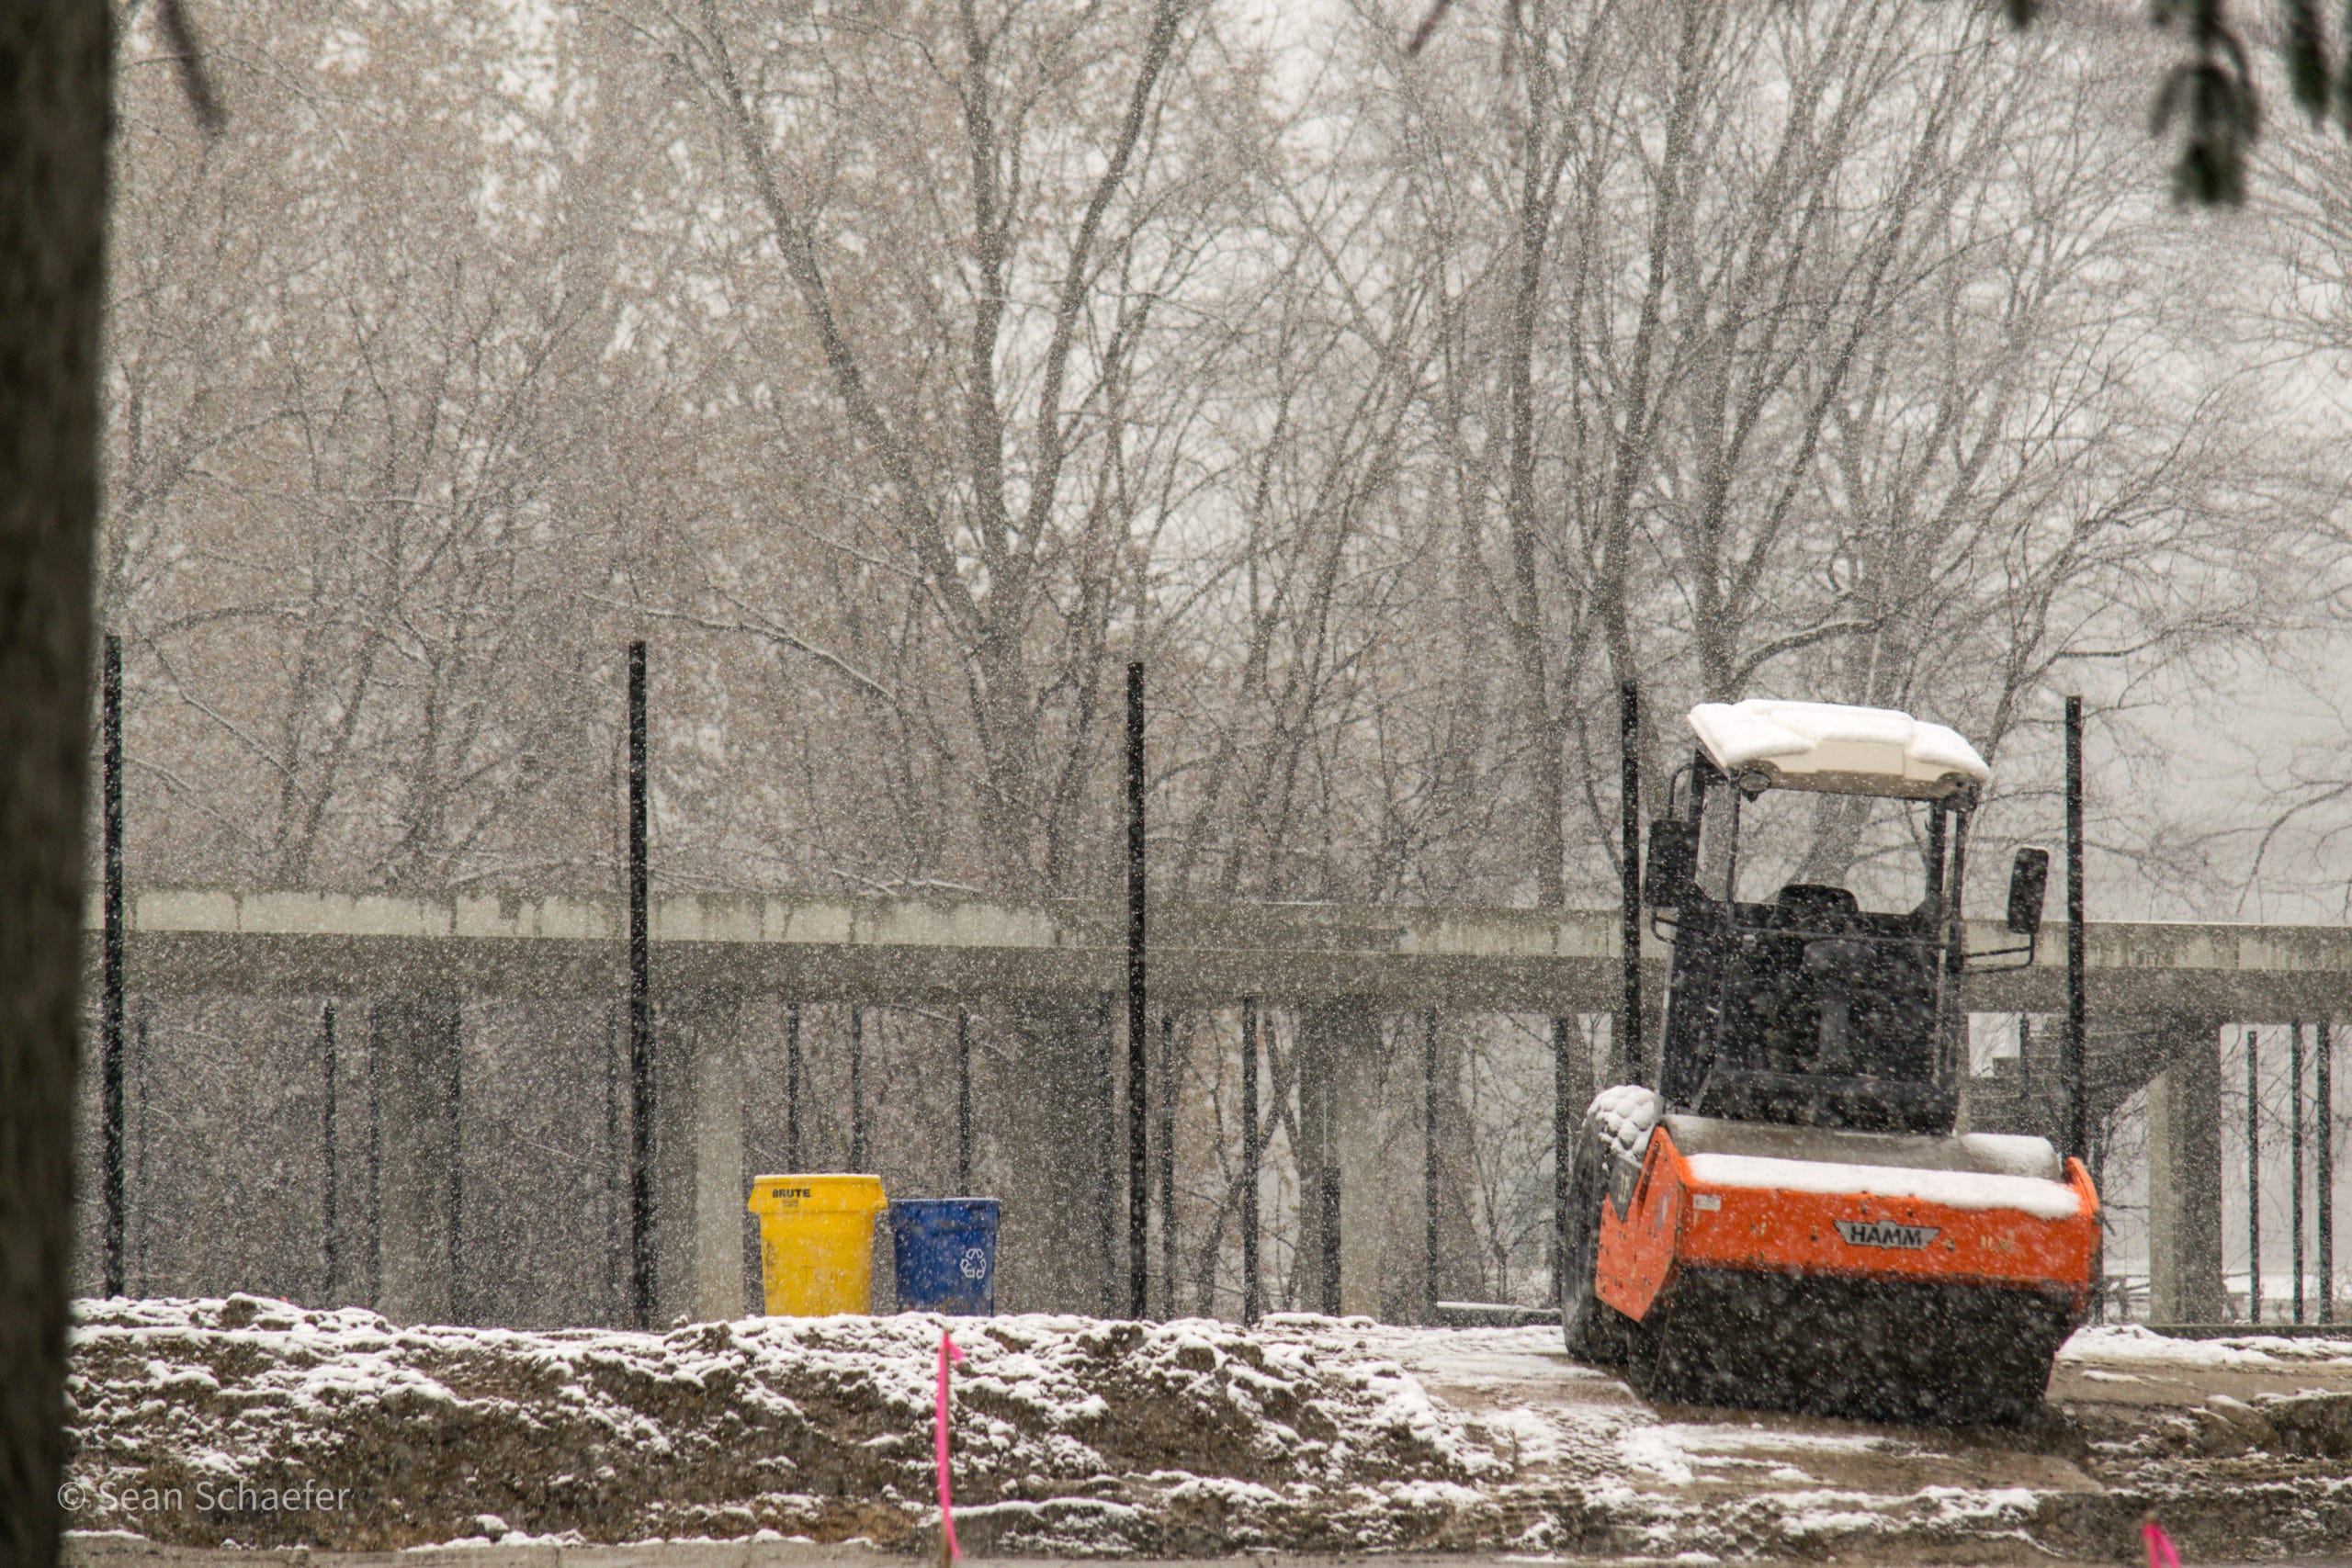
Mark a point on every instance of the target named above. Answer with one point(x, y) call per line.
point(1078, 1437)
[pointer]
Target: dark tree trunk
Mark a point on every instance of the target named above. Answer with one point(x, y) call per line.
point(53, 57)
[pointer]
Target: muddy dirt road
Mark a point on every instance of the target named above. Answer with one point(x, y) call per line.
point(2239, 1445)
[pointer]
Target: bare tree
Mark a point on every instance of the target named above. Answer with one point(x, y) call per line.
point(1777, 234)
point(53, 223)
point(987, 364)
point(335, 468)
point(903, 374)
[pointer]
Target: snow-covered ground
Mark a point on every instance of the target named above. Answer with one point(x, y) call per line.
point(208, 1422)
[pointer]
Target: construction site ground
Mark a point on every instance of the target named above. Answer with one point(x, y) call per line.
point(1306, 1439)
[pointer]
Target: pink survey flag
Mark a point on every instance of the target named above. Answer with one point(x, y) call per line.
point(2160, 1548)
point(948, 1549)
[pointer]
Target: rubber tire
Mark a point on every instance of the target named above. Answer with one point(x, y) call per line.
point(1593, 1331)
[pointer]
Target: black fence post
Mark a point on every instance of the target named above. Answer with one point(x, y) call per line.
point(1564, 1114)
point(375, 1158)
point(1250, 1159)
point(1428, 1165)
point(2295, 1161)
point(2324, 1092)
point(1167, 1098)
point(792, 1087)
point(462, 1306)
point(1628, 1052)
point(2070, 1067)
point(111, 1016)
point(331, 1242)
point(642, 1279)
point(2253, 1034)
point(138, 1154)
point(2029, 1107)
point(1326, 1196)
point(1138, 1019)
point(963, 1101)
point(857, 1152)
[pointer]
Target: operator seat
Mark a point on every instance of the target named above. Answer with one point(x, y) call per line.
point(1836, 969)
point(1815, 904)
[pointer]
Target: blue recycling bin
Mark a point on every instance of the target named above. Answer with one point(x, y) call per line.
point(945, 1253)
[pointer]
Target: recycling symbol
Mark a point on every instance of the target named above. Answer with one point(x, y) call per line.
point(975, 1264)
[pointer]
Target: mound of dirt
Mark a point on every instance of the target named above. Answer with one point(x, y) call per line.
point(251, 1422)
point(207, 1422)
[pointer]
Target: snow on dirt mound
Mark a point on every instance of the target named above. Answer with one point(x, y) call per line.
point(1063, 1427)
point(1081, 1437)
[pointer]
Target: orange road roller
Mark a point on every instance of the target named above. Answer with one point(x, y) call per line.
point(1789, 1218)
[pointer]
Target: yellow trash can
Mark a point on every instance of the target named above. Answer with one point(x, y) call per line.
point(816, 1242)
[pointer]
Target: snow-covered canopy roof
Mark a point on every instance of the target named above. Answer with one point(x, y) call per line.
point(1846, 751)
